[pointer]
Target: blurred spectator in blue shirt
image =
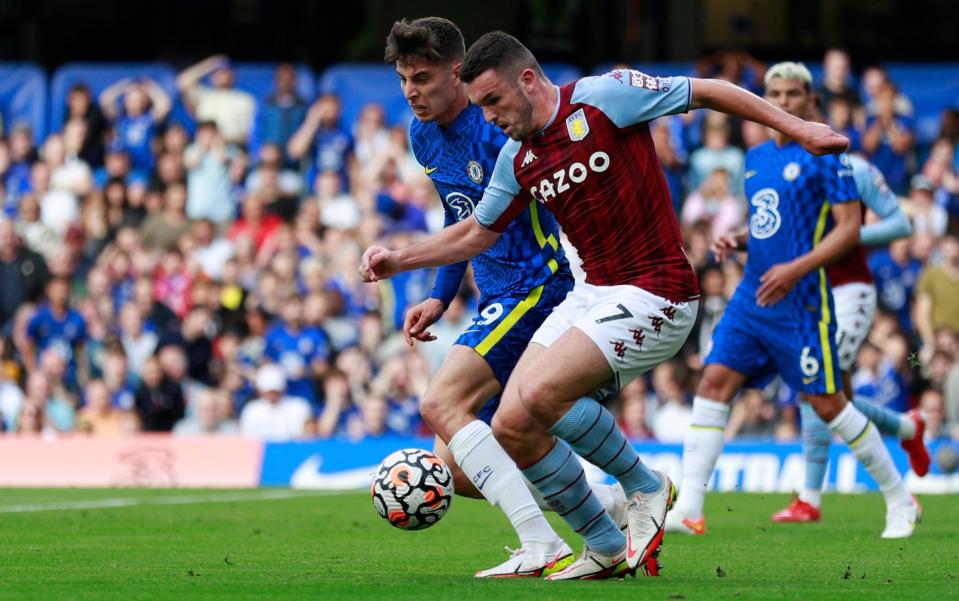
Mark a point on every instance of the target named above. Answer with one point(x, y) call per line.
point(877, 379)
point(888, 137)
point(896, 274)
point(282, 112)
point(323, 134)
point(136, 109)
point(301, 350)
point(56, 325)
point(839, 111)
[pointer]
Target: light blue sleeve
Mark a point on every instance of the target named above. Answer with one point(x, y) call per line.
point(496, 209)
point(877, 195)
point(628, 97)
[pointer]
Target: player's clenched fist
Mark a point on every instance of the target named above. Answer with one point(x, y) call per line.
point(820, 139)
point(378, 263)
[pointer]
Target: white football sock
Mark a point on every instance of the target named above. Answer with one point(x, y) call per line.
point(701, 449)
point(866, 444)
point(497, 478)
point(813, 497)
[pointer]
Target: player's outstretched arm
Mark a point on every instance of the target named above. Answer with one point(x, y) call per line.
point(456, 243)
point(725, 97)
point(780, 279)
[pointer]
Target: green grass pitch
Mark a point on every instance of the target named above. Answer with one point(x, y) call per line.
point(203, 544)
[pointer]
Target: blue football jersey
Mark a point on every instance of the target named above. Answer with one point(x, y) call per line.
point(459, 159)
point(790, 193)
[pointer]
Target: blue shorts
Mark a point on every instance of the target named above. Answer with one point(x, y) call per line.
point(802, 351)
point(503, 328)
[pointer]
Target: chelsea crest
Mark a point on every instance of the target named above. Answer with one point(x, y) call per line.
point(475, 171)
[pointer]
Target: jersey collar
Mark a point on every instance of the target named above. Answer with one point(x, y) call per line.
point(462, 121)
point(555, 111)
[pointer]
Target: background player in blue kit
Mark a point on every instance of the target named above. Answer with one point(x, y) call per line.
point(520, 278)
point(781, 317)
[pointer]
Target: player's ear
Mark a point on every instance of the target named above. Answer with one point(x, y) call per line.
point(527, 78)
point(457, 67)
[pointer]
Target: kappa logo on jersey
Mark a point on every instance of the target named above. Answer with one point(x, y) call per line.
point(475, 172)
point(791, 171)
point(528, 158)
point(576, 173)
point(577, 126)
point(619, 349)
point(461, 204)
point(766, 220)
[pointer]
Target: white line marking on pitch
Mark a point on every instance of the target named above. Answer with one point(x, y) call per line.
point(171, 500)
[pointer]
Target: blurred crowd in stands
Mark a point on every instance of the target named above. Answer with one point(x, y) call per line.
point(160, 276)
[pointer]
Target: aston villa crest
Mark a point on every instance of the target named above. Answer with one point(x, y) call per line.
point(577, 126)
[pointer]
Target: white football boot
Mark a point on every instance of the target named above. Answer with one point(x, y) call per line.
point(646, 514)
point(901, 520)
point(592, 565)
point(531, 564)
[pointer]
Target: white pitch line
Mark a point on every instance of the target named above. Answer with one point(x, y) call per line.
point(267, 495)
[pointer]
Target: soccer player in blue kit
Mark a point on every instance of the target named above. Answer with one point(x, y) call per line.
point(521, 279)
point(781, 317)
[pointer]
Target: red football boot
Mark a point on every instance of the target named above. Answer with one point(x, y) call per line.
point(915, 447)
point(798, 511)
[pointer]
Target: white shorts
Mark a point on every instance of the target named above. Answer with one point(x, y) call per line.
point(855, 310)
point(634, 329)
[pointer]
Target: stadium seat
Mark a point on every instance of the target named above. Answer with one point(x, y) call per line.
point(23, 97)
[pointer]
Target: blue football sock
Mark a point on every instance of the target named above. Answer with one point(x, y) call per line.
point(560, 478)
point(886, 420)
point(593, 433)
point(815, 447)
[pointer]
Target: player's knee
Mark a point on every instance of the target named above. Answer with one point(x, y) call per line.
point(436, 411)
point(827, 406)
point(536, 395)
point(510, 425)
point(713, 385)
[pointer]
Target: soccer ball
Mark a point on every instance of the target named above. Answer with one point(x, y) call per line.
point(412, 489)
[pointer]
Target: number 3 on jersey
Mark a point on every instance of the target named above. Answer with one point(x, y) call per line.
point(765, 221)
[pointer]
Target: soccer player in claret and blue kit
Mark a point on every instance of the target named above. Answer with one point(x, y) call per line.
point(584, 152)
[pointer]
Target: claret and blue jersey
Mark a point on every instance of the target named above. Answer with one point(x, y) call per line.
point(790, 194)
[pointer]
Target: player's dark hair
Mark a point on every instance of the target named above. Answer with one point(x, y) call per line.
point(500, 52)
point(433, 39)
